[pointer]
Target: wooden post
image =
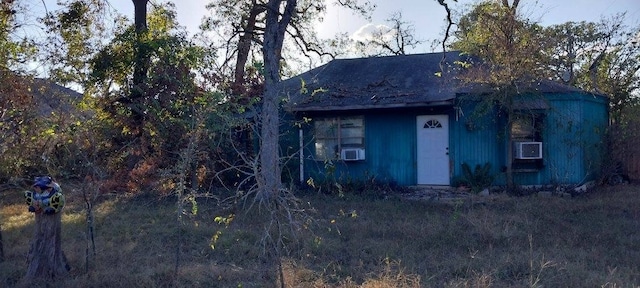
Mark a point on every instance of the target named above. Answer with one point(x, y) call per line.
point(46, 258)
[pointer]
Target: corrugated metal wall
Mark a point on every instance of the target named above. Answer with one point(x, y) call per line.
point(573, 132)
point(389, 149)
point(391, 146)
point(476, 140)
point(573, 147)
point(564, 142)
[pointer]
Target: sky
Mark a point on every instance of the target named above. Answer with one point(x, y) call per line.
point(426, 16)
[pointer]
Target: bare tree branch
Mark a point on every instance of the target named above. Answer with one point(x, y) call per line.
point(446, 33)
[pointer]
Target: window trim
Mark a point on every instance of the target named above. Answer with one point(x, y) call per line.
point(537, 125)
point(339, 136)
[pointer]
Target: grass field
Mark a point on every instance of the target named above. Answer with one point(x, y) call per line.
point(498, 241)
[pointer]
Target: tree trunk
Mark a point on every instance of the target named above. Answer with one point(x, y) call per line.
point(269, 154)
point(46, 258)
point(276, 24)
point(1, 248)
point(244, 46)
point(508, 105)
point(141, 67)
point(269, 182)
point(509, 171)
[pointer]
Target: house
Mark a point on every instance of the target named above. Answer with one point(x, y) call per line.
point(407, 120)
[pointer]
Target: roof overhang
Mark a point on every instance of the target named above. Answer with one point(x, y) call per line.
point(369, 107)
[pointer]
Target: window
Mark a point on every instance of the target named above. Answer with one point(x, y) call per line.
point(526, 138)
point(433, 123)
point(526, 127)
point(337, 133)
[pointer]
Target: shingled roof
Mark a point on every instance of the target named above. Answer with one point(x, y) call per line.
point(375, 82)
point(387, 82)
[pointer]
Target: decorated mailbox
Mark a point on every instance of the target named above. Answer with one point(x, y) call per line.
point(46, 196)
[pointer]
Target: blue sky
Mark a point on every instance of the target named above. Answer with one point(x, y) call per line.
point(426, 16)
point(425, 13)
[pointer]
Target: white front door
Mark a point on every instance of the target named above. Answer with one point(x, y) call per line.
point(433, 149)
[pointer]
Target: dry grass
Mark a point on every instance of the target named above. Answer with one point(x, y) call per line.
point(501, 241)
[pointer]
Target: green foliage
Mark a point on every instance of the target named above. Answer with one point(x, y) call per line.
point(508, 44)
point(74, 34)
point(16, 50)
point(173, 104)
point(18, 126)
point(90, 46)
point(510, 49)
point(477, 179)
point(25, 134)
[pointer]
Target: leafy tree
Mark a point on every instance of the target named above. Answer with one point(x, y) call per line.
point(15, 49)
point(239, 37)
point(599, 57)
point(240, 26)
point(507, 44)
point(74, 34)
point(18, 121)
point(618, 76)
point(266, 25)
point(510, 52)
point(149, 105)
point(571, 45)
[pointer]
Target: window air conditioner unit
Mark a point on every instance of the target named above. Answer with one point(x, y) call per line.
point(527, 150)
point(352, 154)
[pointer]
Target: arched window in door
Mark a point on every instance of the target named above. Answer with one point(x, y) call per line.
point(432, 123)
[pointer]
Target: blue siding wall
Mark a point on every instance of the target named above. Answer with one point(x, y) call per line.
point(389, 150)
point(476, 140)
point(572, 135)
point(575, 133)
point(391, 146)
